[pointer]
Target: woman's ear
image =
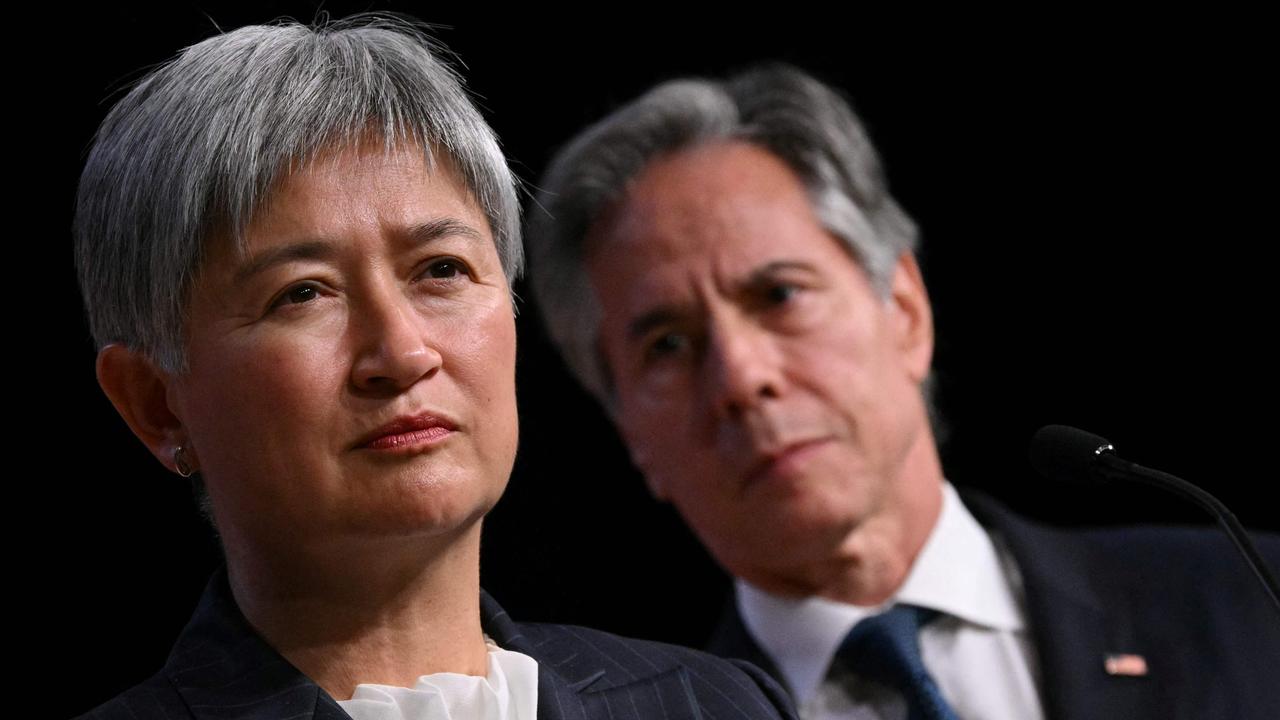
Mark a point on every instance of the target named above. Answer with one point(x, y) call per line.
point(140, 393)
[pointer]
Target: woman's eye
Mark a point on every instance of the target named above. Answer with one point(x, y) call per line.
point(297, 295)
point(446, 269)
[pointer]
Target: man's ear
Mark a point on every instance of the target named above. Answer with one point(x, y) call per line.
point(636, 446)
point(913, 317)
point(640, 452)
point(654, 480)
point(140, 393)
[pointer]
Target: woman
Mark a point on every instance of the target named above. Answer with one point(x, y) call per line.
point(296, 249)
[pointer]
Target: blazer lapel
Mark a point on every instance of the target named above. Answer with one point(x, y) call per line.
point(732, 640)
point(225, 671)
point(573, 685)
point(1095, 660)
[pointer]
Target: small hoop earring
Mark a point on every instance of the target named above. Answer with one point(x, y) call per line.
point(180, 462)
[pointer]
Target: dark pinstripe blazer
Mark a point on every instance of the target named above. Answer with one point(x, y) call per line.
point(1177, 596)
point(221, 669)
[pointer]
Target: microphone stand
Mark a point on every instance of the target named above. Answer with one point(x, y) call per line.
point(1109, 464)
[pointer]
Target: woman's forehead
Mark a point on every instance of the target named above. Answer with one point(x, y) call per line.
point(336, 174)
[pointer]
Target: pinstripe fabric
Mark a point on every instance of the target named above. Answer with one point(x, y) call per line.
point(220, 669)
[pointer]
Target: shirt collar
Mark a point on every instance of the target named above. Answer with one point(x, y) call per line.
point(960, 573)
point(801, 635)
point(957, 572)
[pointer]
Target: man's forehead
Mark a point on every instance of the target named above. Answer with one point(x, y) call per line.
point(729, 203)
point(708, 185)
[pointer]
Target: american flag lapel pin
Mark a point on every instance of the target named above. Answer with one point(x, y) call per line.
point(1126, 664)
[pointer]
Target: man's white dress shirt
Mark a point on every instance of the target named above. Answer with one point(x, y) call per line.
point(978, 651)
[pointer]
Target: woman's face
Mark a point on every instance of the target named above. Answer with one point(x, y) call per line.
point(352, 374)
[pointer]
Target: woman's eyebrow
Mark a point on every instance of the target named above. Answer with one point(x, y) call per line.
point(420, 234)
point(304, 250)
point(424, 233)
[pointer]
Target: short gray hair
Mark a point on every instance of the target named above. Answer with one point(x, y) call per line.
point(781, 109)
point(200, 143)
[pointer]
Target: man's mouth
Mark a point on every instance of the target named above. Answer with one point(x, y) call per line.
point(783, 461)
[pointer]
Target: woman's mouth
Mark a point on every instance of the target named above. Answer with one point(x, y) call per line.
point(409, 433)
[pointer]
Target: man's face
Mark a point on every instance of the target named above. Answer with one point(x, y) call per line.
point(763, 386)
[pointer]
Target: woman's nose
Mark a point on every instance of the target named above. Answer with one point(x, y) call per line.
point(394, 347)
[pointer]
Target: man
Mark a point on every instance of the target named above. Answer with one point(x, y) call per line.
point(723, 267)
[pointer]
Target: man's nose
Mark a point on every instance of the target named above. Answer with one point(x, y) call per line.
point(743, 363)
point(394, 347)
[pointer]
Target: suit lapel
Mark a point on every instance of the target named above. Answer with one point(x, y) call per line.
point(578, 685)
point(732, 640)
point(1079, 616)
point(225, 671)
point(667, 695)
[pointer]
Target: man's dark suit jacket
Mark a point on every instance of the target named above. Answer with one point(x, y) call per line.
point(1180, 598)
point(221, 669)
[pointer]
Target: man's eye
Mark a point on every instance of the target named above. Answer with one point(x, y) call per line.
point(780, 294)
point(667, 344)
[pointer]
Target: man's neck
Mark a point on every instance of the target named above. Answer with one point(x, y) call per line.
point(877, 555)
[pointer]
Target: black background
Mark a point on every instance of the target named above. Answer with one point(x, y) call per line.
point(1091, 191)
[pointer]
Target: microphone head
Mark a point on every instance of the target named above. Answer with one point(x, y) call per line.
point(1061, 452)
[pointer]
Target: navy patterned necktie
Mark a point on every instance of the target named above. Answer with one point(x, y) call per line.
point(886, 648)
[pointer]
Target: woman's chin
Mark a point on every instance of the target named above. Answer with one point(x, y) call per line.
point(437, 511)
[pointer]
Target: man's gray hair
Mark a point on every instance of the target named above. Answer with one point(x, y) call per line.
point(200, 143)
point(781, 109)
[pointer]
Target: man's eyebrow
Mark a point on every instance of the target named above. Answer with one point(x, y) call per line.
point(761, 276)
point(765, 273)
point(305, 250)
point(644, 323)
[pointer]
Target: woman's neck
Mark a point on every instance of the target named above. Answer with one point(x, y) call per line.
point(382, 612)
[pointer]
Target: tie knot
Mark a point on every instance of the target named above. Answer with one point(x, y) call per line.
point(887, 645)
point(886, 648)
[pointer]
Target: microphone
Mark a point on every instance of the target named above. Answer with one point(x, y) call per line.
point(1066, 453)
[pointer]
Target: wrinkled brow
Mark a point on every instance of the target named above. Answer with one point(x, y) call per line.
point(744, 288)
point(417, 235)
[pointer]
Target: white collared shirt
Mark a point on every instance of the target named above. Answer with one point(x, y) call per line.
point(978, 652)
